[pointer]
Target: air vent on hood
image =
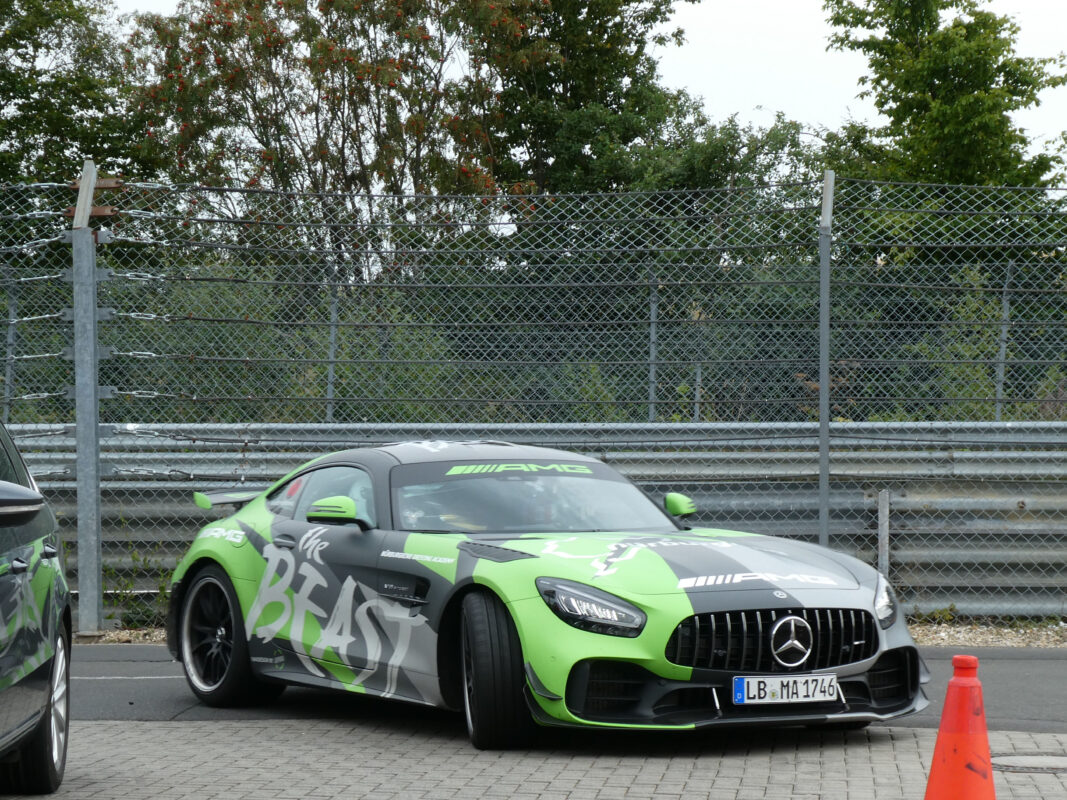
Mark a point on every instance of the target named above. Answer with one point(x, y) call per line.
point(492, 552)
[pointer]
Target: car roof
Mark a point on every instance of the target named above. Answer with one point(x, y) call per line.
point(419, 452)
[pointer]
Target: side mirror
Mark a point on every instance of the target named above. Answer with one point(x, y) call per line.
point(18, 501)
point(338, 510)
point(678, 505)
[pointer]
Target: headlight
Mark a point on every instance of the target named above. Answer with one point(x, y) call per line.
point(591, 609)
point(885, 603)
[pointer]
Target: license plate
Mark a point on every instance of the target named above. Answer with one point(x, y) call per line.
point(785, 689)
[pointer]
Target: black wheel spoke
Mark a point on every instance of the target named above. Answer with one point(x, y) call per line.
point(208, 632)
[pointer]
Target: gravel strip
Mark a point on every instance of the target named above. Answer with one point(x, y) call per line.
point(958, 634)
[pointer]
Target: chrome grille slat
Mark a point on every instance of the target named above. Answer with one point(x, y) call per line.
point(840, 651)
point(711, 650)
point(744, 640)
point(759, 637)
point(821, 656)
point(724, 640)
point(729, 639)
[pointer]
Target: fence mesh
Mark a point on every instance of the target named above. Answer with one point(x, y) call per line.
point(676, 334)
point(949, 304)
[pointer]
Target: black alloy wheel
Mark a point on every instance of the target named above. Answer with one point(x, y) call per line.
point(214, 649)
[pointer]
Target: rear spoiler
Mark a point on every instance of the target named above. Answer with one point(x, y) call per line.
point(206, 500)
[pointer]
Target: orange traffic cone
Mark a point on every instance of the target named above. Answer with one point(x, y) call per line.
point(962, 769)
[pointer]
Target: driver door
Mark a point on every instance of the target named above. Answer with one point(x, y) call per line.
point(322, 574)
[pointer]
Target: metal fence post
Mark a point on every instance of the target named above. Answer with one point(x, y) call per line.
point(883, 532)
point(87, 409)
point(825, 230)
point(653, 344)
point(9, 361)
point(1002, 348)
point(331, 366)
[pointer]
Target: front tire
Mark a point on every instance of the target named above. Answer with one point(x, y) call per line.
point(43, 758)
point(493, 680)
point(214, 648)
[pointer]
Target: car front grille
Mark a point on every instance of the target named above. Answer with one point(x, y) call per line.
point(739, 641)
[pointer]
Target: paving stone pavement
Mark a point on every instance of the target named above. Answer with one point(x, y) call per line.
point(321, 759)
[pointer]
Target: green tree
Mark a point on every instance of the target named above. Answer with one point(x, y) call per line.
point(59, 92)
point(396, 96)
point(946, 76)
point(338, 96)
point(566, 91)
point(699, 154)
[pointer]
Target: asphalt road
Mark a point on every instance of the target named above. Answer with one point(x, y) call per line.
point(1024, 690)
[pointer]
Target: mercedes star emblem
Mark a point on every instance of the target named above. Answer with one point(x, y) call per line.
point(791, 641)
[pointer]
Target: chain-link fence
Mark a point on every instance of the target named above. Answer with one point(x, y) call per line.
point(949, 307)
point(676, 334)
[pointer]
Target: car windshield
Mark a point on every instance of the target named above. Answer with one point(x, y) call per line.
point(507, 497)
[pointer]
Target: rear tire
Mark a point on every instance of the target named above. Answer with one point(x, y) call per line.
point(493, 679)
point(214, 648)
point(42, 760)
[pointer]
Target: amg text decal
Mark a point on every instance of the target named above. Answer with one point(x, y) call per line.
point(473, 469)
point(741, 577)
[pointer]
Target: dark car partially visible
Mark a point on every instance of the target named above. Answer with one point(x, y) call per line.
point(35, 635)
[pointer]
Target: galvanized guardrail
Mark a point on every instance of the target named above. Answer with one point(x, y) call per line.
point(976, 516)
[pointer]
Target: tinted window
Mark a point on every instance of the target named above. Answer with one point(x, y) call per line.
point(505, 497)
point(295, 497)
point(11, 468)
point(282, 501)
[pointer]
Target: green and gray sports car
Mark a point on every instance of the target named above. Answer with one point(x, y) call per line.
point(526, 585)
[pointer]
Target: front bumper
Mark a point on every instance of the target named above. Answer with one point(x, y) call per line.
point(617, 693)
point(575, 678)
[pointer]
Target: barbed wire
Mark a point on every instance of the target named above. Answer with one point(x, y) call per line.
point(38, 318)
point(31, 279)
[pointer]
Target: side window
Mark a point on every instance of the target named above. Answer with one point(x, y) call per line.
point(11, 469)
point(332, 481)
point(282, 501)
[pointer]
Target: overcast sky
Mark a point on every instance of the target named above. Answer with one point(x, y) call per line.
point(755, 57)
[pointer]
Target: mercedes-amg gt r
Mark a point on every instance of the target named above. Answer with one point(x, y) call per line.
point(526, 586)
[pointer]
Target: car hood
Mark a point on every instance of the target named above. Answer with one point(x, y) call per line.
point(702, 560)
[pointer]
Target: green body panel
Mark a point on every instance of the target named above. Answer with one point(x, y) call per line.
point(615, 562)
point(552, 648)
point(438, 552)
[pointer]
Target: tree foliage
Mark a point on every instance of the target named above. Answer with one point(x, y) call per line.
point(396, 96)
point(59, 103)
point(946, 76)
point(342, 96)
point(575, 92)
